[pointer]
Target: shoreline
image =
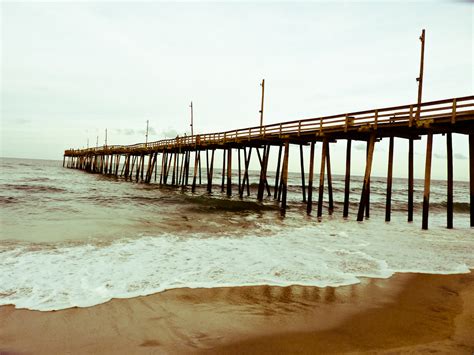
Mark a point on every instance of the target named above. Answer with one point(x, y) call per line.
point(406, 312)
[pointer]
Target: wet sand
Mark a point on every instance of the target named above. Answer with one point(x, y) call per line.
point(406, 313)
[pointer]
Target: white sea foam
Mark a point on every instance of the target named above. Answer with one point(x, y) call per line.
point(329, 254)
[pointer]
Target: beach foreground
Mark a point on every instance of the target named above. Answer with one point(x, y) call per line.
point(407, 312)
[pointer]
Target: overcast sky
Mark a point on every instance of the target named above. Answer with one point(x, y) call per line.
point(70, 70)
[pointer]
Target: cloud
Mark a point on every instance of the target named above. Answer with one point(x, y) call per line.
point(170, 133)
point(125, 131)
point(360, 146)
point(439, 156)
point(151, 131)
point(460, 156)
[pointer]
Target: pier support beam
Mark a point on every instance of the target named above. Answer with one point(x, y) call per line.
point(368, 169)
point(367, 202)
point(321, 179)
point(426, 193)
point(303, 187)
point(229, 172)
point(223, 170)
point(240, 170)
point(263, 172)
point(210, 171)
point(388, 203)
point(196, 167)
point(449, 151)
point(471, 176)
point(410, 180)
point(277, 175)
point(328, 163)
point(246, 172)
point(347, 180)
point(309, 205)
point(284, 178)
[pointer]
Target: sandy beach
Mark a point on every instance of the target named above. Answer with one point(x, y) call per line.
point(405, 313)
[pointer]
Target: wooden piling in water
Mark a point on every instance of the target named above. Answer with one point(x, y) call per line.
point(388, 200)
point(449, 206)
point(173, 176)
point(223, 170)
point(303, 187)
point(426, 193)
point(471, 177)
point(309, 205)
point(263, 182)
point(410, 179)
point(275, 195)
point(240, 171)
point(186, 172)
point(347, 179)
point(284, 178)
point(368, 169)
point(229, 172)
point(196, 167)
point(321, 179)
point(199, 167)
point(329, 174)
point(367, 203)
point(246, 172)
point(211, 173)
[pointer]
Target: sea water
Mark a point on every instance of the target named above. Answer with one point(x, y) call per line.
point(70, 238)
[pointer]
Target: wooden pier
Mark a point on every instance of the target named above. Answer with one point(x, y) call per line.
point(172, 158)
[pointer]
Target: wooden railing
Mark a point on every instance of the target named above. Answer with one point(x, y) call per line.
point(407, 115)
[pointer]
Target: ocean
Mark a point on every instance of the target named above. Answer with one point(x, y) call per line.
point(74, 239)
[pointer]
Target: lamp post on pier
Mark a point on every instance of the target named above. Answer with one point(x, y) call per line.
point(192, 120)
point(261, 104)
point(146, 134)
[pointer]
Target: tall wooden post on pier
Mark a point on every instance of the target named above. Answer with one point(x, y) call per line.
point(146, 134)
point(261, 104)
point(420, 77)
point(192, 119)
